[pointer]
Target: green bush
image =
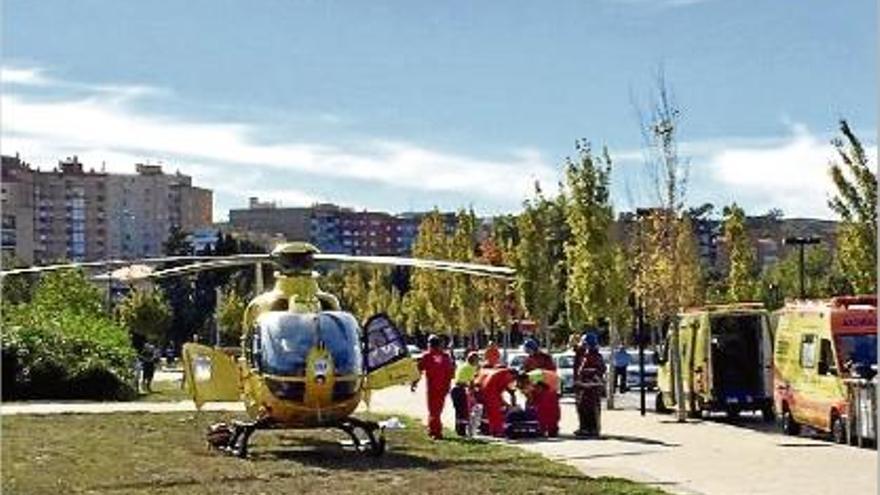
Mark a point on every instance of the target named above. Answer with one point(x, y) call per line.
point(61, 347)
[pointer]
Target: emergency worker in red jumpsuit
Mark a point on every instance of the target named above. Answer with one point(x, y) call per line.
point(540, 389)
point(495, 382)
point(537, 359)
point(589, 388)
point(438, 368)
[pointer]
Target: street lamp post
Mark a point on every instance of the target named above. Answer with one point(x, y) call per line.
point(800, 242)
point(638, 307)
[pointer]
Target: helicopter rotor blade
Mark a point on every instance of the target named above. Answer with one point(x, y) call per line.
point(123, 263)
point(475, 269)
point(216, 264)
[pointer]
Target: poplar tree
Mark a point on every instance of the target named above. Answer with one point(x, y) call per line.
point(593, 284)
point(741, 280)
point(426, 304)
point(465, 302)
point(535, 287)
point(856, 204)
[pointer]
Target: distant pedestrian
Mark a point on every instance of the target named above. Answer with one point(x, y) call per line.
point(149, 357)
point(621, 362)
point(589, 387)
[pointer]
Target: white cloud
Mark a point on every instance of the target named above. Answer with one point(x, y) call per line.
point(23, 76)
point(104, 121)
point(792, 176)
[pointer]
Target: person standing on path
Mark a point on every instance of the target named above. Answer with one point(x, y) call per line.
point(589, 386)
point(621, 362)
point(438, 368)
point(149, 357)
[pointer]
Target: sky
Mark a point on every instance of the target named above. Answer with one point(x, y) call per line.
point(408, 105)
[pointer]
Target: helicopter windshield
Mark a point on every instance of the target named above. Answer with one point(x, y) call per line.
point(285, 340)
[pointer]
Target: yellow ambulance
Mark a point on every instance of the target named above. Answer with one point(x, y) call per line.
point(726, 356)
point(819, 344)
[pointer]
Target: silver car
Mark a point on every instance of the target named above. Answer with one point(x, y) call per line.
point(565, 369)
point(632, 371)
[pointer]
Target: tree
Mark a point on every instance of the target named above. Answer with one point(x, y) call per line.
point(63, 344)
point(69, 290)
point(693, 290)
point(660, 282)
point(496, 295)
point(426, 304)
point(821, 277)
point(741, 280)
point(856, 204)
point(146, 314)
point(535, 286)
point(17, 289)
point(593, 279)
point(230, 317)
point(465, 302)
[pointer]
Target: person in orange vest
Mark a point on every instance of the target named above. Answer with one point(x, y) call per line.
point(495, 383)
point(492, 356)
point(537, 359)
point(462, 392)
point(438, 368)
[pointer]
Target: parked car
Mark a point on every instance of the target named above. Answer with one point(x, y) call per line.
point(459, 354)
point(632, 371)
point(565, 369)
point(414, 351)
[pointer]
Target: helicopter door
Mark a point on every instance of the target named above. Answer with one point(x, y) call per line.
point(210, 375)
point(386, 359)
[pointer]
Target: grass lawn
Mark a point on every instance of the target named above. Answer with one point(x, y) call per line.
point(167, 453)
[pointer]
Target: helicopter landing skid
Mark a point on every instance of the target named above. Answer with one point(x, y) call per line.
point(373, 434)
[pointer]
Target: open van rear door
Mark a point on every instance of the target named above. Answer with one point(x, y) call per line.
point(210, 375)
point(386, 358)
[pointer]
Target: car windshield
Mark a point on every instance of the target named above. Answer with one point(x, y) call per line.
point(566, 361)
point(860, 349)
point(286, 339)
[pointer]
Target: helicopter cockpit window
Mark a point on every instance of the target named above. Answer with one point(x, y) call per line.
point(341, 335)
point(285, 340)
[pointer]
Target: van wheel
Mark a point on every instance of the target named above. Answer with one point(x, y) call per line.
point(838, 429)
point(789, 425)
point(659, 405)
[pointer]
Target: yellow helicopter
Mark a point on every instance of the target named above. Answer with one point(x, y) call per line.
point(304, 362)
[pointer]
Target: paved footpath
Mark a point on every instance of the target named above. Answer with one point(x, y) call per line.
point(704, 457)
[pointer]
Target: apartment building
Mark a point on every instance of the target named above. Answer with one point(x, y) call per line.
point(335, 229)
point(79, 214)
